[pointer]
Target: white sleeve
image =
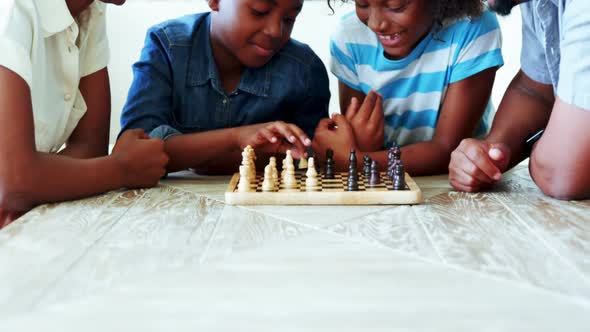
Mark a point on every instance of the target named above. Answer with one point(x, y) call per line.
point(94, 55)
point(16, 38)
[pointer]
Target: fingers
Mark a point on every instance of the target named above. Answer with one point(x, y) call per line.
point(377, 117)
point(477, 153)
point(352, 109)
point(367, 107)
point(340, 121)
point(500, 154)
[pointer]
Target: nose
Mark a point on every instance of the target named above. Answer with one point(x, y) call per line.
point(274, 27)
point(376, 21)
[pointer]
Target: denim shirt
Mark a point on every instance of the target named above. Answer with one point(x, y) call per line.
point(556, 47)
point(177, 89)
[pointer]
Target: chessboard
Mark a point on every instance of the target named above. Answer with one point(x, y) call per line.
point(328, 192)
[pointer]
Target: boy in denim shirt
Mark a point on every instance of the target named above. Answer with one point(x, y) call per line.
point(209, 84)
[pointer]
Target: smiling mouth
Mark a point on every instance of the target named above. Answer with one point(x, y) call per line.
point(263, 51)
point(391, 40)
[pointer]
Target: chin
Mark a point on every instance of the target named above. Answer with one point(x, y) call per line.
point(114, 2)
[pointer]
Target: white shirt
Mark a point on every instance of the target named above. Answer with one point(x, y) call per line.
point(50, 50)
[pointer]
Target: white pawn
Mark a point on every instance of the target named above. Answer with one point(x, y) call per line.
point(244, 184)
point(275, 172)
point(268, 183)
point(302, 163)
point(312, 175)
point(290, 181)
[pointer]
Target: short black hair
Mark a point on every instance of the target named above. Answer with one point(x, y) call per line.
point(447, 10)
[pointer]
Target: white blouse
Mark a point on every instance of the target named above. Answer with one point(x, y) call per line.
point(42, 43)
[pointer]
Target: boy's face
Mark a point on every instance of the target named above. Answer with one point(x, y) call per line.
point(399, 24)
point(250, 32)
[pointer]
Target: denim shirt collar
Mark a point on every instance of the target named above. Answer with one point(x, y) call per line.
point(202, 66)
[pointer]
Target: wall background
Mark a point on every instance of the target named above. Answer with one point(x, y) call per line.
point(128, 24)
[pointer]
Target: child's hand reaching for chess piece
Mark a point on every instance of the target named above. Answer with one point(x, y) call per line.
point(274, 137)
point(367, 121)
point(336, 134)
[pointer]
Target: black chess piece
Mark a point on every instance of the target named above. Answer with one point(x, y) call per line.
point(393, 157)
point(366, 166)
point(352, 172)
point(375, 178)
point(399, 177)
point(329, 168)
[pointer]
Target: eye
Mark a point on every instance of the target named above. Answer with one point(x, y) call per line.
point(361, 4)
point(399, 9)
point(258, 13)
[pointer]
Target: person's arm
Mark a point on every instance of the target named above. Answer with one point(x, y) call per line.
point(560, 161)
point(28, 177)
point(90, 139)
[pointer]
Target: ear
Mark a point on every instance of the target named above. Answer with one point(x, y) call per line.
point(214, 5)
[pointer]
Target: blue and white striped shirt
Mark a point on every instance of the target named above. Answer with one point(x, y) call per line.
point(413, 88)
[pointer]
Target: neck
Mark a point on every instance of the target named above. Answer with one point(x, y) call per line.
point(78, 6)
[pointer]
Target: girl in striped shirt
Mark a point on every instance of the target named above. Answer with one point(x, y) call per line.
point(416, 73)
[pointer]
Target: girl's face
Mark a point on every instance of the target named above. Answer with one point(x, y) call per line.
point(251, 32)
point(399, 24)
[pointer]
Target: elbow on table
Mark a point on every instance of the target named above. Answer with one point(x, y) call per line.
point(13, 194)
point(559, 181)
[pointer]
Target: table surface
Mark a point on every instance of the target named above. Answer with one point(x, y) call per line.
point(175, 257)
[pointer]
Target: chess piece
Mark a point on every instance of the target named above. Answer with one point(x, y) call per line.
point(290, 181)
point(393, 157)
point(268, 183)
point(244, 184)
point(311, 154)
point(249, 164)
point(273, 165)
point(399, 177)
point(366, 167)
point(303, 163)
point(312, 175)
point(329, 170)
point(286, 162)
point(352, 172)
point(375, 178)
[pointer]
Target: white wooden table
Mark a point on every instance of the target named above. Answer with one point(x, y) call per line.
point(176, 258)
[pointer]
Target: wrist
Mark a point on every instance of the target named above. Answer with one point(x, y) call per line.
point(116, 170)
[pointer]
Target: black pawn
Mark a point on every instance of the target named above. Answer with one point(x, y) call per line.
point(352, 173)
point(375, 178)
point(366, 166)
point(329, 170)
point(399, 177)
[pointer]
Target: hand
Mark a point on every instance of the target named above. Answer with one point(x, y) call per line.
point(335, 134)
point(477, 165)
point(141, 159)
point(274, 137)
point(7, 217)
point(367, 121)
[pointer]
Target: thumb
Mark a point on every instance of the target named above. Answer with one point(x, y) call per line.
point(500, 154)
point(352, 108)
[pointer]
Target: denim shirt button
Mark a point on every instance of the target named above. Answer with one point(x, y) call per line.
point(224, 101)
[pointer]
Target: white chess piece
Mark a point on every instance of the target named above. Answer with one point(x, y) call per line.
point(303, 163)
point(268, 183)
point(286, 162)
point(312, 175)
point(244, 184)
point(275, 172)
point(290, 181)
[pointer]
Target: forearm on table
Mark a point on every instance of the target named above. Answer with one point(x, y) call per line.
point(215, 149)
point(524, 110)
point(53, 178)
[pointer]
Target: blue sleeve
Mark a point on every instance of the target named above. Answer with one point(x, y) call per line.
point(149, 103)
point(308, 113)
point(478, 47)
point(574, 67)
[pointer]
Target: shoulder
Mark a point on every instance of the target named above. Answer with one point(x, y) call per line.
point(477, 26)
point(17, 15)
point(179, 31)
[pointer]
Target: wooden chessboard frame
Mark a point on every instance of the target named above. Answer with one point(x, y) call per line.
point(329, 192)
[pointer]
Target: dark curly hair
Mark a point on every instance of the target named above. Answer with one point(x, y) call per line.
point(446, 10)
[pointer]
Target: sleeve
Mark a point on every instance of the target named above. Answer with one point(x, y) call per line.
point(315, 106)
point(574, 69)
point(342, 63)
point(149, 102)
point(16, 38)
point(532, 56)
point(479, 47)
point(95, 54)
